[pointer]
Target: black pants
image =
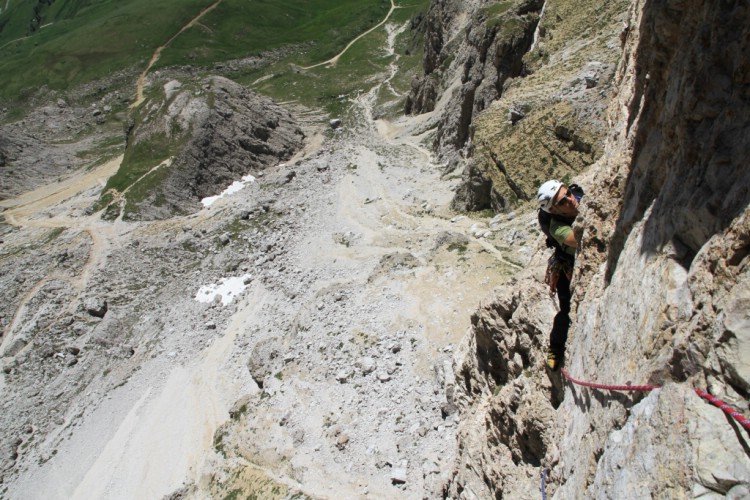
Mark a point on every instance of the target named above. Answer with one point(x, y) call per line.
point(559, 334)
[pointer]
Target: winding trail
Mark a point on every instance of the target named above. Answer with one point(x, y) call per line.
point(24, 211)
point(332, 61)
point(157, 53)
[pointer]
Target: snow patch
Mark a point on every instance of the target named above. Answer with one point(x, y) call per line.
point(228, 289)
point(236, 186)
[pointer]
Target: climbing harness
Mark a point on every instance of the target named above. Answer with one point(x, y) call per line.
point(556, 266)
point(560, 261)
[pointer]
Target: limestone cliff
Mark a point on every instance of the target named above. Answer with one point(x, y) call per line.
point(662, 291)
point(471, 49)
point(523, 88)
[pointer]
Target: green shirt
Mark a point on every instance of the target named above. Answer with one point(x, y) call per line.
point(559, 232)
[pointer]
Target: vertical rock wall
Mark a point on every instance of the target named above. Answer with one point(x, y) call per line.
point(663, 280)
point(467, 63)
point(662, 292)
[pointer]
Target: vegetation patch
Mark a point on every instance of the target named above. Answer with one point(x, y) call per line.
point(534, 150)
point(62, 44)
point(239, 226)
point(245, 483)
point(459, 247)
point(53, 234)
point(332, 87)
point(497, 9)
point(238, 28)
point(145, 161)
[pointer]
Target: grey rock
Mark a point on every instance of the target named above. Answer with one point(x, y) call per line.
point(342, 440)
point(343, 376)
point(398, 475)
point(739, 492)
point(96, 306)
point(367, 365)
point(515, 115)
point(238, 133)
point(263, 361)
point(591, 81)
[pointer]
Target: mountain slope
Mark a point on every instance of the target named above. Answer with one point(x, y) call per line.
point(310, 333)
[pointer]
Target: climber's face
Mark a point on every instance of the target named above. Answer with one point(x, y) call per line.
point(565, 203)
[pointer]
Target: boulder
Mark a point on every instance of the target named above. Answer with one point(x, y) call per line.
point(96, 306)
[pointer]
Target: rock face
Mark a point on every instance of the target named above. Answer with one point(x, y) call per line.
point(30, 156)
point(505, 400)
point(661, 292)
point(523, 90)
point(208, 136)
point(484, 56)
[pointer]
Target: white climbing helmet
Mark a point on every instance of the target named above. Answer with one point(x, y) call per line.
point(546, 194)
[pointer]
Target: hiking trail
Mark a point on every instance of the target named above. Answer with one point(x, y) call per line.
point(139, 98)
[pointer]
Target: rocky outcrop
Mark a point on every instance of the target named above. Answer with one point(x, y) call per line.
point(194, 140)
point(662, 288)
point(59, 135)
point(490, 51)
point(26, 161)
point(506, 402)
point(475, 191)
point(548, 121)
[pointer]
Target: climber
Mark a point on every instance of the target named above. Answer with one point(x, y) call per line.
point(558, 208)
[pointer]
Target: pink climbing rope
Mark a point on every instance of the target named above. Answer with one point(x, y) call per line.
point(725, 408)
point(744, 422)
point(610, 387)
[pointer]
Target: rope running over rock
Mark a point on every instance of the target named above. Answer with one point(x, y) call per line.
point(610, 387)
point(744, 422)
point(725, 408)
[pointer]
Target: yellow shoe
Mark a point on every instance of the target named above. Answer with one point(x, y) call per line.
point(554, 360)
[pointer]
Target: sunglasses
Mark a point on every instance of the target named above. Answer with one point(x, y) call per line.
point(567, 198)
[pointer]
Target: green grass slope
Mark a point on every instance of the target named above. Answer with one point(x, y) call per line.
point(62, 43)
point(237, 28)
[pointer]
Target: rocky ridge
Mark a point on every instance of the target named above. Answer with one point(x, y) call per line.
point(59, 134)
point(470, 51)
point(203, 135)
point(514, 70)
